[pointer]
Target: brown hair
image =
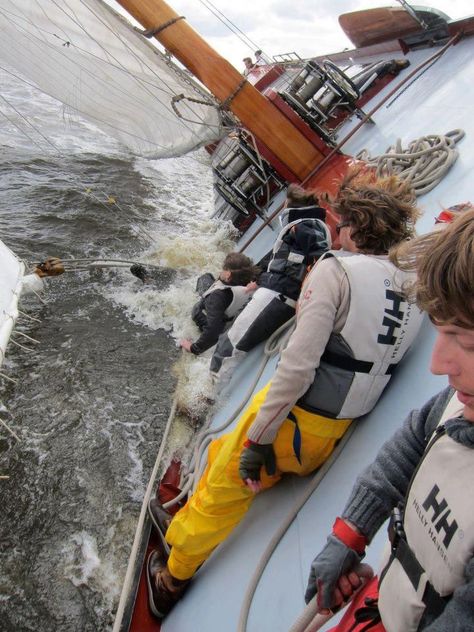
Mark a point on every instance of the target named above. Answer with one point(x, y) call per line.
point(297, 196)
point(242, 268)
point(381, 211)
point(444, 261)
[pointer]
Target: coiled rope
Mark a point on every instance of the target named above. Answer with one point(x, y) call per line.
point(423, 164)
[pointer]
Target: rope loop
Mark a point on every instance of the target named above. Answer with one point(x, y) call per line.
point(226, 104)
point(149, 33)
point(423, 164)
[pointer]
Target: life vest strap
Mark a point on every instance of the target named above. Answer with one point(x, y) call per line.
point(351, 364)
point(435, 604)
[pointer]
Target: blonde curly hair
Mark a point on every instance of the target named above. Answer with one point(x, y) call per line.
point(381, 212)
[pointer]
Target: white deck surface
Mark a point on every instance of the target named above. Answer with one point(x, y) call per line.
point(442, 99)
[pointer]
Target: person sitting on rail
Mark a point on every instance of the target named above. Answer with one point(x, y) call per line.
point(354, 324)
point(222, 301)
point(419, 476)
point(303, 239)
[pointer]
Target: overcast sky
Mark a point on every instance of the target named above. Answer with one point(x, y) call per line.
point(308, 27)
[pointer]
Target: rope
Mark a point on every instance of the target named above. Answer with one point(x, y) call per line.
point(80, 265)
point(149, 33)
point(11, 432)
point(309, 620)
point(191, 477)
point(230, 25)
point(226, 103)
point(307, 492)
point(423, 164)
point(182, 97)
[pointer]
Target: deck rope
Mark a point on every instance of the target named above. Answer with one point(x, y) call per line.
point(193, 472)
point(424, 162)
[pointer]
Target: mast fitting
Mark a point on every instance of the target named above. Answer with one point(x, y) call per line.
point(152, 32)
point(226, 104)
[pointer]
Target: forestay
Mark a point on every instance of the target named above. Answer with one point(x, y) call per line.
point(92, 60)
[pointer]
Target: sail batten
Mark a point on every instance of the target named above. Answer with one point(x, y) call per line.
point(101, 69)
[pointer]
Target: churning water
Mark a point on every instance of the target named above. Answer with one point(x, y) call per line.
point(93, 396)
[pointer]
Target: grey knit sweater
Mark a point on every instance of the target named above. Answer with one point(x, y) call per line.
point(385, 482)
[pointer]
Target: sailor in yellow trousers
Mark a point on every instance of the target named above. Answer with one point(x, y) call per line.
point(353, 326)
point(221, 500)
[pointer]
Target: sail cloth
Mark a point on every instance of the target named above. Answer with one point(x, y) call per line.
point(87, 56)
point(11, 275)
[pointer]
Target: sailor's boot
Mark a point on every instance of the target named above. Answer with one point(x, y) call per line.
point(160, 517)
point(164, 590)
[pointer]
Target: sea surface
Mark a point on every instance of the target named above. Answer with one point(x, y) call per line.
point(93, 394)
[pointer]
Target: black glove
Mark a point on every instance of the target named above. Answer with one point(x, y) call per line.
point(141, 273)
point(253, 457)
point(335, 560)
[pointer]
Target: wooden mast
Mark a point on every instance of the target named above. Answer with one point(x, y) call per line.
point(255, 112)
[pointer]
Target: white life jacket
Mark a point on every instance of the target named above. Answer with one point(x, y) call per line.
point(381, 325)
point(439, 531)
point(240, 296)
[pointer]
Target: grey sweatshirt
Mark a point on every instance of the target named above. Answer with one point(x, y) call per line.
point(385, 483)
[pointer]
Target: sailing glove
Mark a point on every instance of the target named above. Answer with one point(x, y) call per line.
point(344, 550)
point(253, 457)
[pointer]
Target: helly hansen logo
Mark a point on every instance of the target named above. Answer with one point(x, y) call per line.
point(441, 514)
point(393, 317)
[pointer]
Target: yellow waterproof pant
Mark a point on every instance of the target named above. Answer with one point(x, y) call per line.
point(222, 498)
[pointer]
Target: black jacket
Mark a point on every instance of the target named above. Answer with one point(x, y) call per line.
point(209, 315)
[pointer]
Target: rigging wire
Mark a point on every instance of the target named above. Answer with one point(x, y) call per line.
point(80, 185)
point(88, 73)
point(118, 66)
point(230, 25)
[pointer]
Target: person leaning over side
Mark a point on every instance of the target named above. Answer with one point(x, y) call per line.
point(346, 327)
point(302, 240)
point(222, 301)
point(421, 477)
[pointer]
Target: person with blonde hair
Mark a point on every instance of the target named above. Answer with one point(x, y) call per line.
point(349, 336)
point(419, 476)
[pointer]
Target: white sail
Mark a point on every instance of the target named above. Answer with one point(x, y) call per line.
point(92, 60)
point(11, 275)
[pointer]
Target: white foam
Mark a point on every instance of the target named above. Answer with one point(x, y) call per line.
point(84, 567)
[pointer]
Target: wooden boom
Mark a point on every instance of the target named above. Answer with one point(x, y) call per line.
point(255, 112)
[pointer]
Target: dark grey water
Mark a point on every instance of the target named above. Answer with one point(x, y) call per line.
point(93, 397)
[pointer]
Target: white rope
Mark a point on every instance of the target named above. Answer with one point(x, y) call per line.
point(284, 526)
point(9, 430)
point(310, 620)
point(193, 473)
point(423, 164)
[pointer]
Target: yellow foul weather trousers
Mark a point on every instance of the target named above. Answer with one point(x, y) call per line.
point(222, 498)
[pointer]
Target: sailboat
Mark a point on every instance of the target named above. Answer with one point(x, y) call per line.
point(290, 121)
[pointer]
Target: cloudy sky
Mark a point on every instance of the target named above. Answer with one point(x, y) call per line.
point(308, 27)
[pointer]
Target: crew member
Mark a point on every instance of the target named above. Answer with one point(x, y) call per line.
point(421, 475)
point(222, 301)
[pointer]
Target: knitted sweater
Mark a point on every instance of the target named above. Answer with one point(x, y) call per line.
point(385, 483)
